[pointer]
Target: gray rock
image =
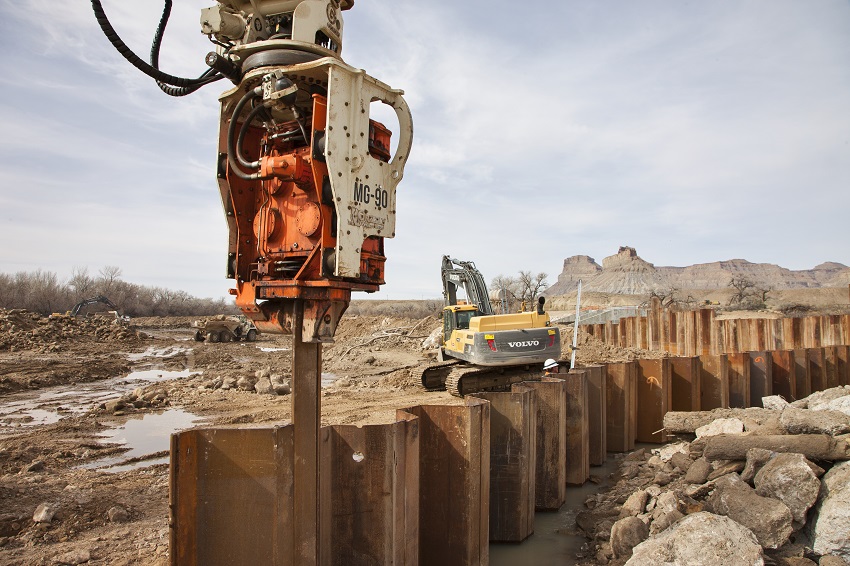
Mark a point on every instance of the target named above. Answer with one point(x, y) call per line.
point(700, 539)
point(804, 421)
point(666, 502)
point(245, 384)
point(80, 556)
point(228, 383)
point(721, 426)
point(829, 527)
point(114, 405)
point(681, 461)
point(770, 520)
point(840, 405)
point(117, 514)
point(627, 533)
point(820, 400)
point(725, 467)
point(788, 478)
point(665, 521)
point(264, 386)
point(662, 478)
point(756, 458)
point(698, 472)
point(774, 402)
point(44, 513)
point(635, 504)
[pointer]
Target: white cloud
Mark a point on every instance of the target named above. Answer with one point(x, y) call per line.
point(692, 131)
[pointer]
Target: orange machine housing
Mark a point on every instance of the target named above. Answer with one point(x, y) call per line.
point(283, 227)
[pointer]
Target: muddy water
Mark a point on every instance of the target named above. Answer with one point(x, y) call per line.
point(556, 538)
point(145, 435)
point(49, 405)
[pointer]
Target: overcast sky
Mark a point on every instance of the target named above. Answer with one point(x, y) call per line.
point(692, 131)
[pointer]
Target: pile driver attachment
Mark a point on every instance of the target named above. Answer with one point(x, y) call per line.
point(307, 177)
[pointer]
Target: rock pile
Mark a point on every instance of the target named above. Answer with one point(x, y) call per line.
point(140, 399)
point(24, 330)
point(263, 382)
point(774, 491)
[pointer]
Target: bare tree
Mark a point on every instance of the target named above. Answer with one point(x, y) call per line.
point(81, 282)
point(743, 288)
point(530, 286)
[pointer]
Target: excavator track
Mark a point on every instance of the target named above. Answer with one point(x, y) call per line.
point(461, 378)
point(434, 375)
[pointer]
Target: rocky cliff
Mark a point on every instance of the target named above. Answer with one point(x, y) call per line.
point(627, 273)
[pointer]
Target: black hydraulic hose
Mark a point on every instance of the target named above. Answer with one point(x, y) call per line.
point(155, 48)
point(232, 151)
point(242, 131)
point(134, 59)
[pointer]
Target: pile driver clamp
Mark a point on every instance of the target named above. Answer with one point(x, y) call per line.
point(307, 178)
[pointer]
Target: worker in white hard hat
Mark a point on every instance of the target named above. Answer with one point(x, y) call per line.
point(551, 367)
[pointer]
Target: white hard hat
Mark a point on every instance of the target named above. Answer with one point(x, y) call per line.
point(549, 364)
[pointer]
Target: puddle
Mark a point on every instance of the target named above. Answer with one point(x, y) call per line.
point(47, 406)
point(145, 436)
point(328, 378)
point(556, 538)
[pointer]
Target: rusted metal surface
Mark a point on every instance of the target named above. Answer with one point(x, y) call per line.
point(830, 366)
point(306, 414)
point(621, 407)
point(714, 382)
point(761, 377)
point(454, 475)
point(843, 364)
point(685, 383)
point(784, 374)
point(551, 465)
point(654, 394)
point(231, 497)
point(371, 494)
point(739, 380)
point(802, 373)
point(596, 413)
point(817, 373)
point(578, 438)
point(513, 449)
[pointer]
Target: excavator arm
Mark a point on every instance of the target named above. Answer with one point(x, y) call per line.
point(458, 274)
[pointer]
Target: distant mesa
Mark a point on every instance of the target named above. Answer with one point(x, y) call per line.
point(626, 273)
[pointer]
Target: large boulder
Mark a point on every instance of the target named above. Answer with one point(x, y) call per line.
point(769, 519)
point(627, 533)
point(700, 539)
point(789, 478)
point(829, 528)
point(820, 400)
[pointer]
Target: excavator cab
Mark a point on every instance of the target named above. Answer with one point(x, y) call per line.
point(457, 317)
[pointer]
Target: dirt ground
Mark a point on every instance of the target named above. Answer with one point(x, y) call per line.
point(71, 390)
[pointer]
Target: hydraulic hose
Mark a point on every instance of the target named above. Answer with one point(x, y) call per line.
point(234, 158)
point(134, 59)
point(242, 131)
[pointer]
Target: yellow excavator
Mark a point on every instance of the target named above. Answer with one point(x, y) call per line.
point(483, 351)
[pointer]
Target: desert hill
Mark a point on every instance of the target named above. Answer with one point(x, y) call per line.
point(627, 273)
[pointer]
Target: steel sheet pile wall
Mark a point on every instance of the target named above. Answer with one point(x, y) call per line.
point(442, 481)
point(700, 333)
point(513, 462)
point(454, 477)
point(551, 467)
